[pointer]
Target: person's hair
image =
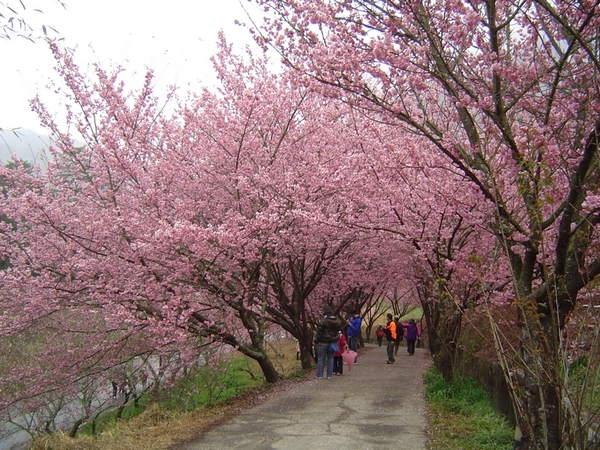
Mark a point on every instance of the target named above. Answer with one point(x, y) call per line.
point(389, 316)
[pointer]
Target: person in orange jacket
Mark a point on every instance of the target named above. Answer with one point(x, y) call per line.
point(390, 335)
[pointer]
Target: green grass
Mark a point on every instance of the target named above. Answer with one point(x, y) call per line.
point(461, 416)
point(110, 419)
point(202, 387)
point(416, 314)
point(583, 388)
point(207, 386)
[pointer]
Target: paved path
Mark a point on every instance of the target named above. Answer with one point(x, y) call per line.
point(374, 406)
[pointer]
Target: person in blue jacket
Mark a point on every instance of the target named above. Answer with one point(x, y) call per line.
point(353, 332)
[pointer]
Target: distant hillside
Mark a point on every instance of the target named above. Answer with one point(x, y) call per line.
point(25, 144)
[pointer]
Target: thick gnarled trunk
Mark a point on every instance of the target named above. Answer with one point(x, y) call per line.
point(541, 411)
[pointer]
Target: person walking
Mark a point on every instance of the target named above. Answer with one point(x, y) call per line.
point(327, 333)
point(380, 334)
point(338, 360)
point(399, 334)
point(412, 334)
point(115, 388)
point(354, 324)
point(390, 335)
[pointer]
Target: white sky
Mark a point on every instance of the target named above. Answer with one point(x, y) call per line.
point(175, 38)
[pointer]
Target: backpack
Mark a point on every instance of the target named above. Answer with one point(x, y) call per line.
point(399, 331)
point(388, 334)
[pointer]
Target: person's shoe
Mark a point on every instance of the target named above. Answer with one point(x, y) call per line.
point(319, 378)
point(388, 362)
point(329, 378)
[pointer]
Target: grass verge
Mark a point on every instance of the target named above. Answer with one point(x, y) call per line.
point(461, 416)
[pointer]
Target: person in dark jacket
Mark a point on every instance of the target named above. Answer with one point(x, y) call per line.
point(327, 333)
point(399, 334)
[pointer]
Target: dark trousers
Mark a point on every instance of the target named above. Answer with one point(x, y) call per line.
point(353, 343)
point(410, 346)
point(338, 364)
point(390, 350)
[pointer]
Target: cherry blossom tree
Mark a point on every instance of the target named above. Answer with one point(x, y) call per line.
point(167, 234)
point(305, 190)
point(292, 282)
point(402, 303)
point(450, 247)
point(74, 232)
point(507, 92)
point(442, 235)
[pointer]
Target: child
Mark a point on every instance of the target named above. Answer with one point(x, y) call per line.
point(379, 333)
point(338, 361)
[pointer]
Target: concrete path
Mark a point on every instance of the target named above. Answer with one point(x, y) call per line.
point(374, 406)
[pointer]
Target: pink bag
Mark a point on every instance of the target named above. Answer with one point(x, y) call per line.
point(349, 357)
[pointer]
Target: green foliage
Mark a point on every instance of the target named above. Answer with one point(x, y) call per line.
point(579, 366)
point(462, 416)
point(583, 382)
point(111, 419)
point(200, 388)
point(211, 384)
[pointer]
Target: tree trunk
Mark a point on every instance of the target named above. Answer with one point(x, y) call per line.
point(73, 431)
point(120, 410)
point(443, 327)
point(540, 419)
point(268, 369)
point(306, 355)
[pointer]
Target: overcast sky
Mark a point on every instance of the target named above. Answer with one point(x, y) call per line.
point(175, 38)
